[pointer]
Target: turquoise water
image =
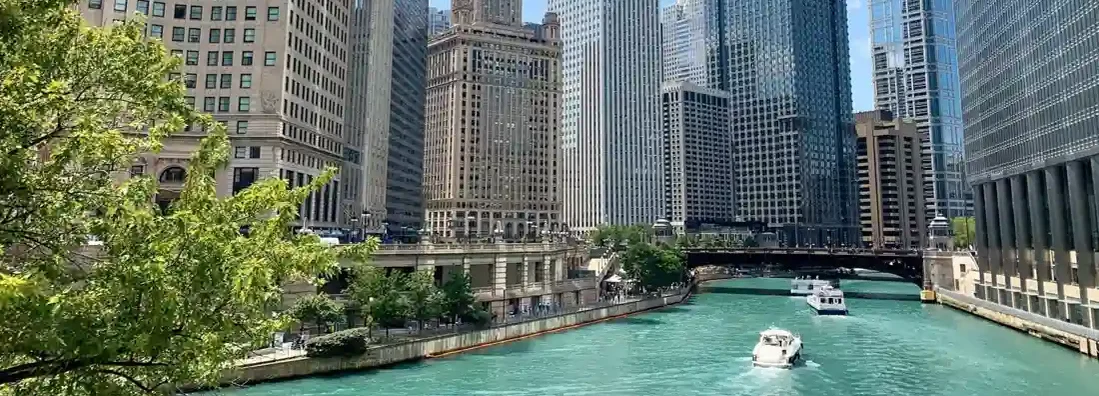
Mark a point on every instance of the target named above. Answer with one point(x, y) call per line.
point(703, 347)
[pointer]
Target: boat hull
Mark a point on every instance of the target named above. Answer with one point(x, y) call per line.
point(837, 312)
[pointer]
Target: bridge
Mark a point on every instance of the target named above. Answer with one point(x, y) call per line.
point(907, 264)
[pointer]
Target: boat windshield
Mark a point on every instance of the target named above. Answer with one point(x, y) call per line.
point(775, 340)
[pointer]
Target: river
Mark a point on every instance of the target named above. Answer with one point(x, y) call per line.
point(888, 348)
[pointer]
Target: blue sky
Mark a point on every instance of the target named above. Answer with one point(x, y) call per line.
point(857, 24)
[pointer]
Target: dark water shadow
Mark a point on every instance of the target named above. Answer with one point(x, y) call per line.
point(635, 321)
point(673, 309)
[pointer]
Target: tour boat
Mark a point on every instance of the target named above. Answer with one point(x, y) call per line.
point(827, 301)
point(806, 286)
point(777, 348)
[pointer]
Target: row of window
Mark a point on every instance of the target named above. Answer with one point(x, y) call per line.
point(181, 11)
point(194, 35)
point(222, 104)
point(246, 58)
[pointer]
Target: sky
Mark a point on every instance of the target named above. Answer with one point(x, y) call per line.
point(857, 26)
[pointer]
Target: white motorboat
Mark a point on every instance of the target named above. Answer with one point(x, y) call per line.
point(806, 286)
point(827, 301)
point(777, 348)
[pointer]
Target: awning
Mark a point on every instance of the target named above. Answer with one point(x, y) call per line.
point(613, 279)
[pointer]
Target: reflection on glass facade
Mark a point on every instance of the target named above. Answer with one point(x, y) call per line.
point(793, 131)
point(693, 38)
point(1030, 84)
point(915, 77)
point(404, 198)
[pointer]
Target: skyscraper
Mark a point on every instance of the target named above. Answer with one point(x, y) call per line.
point(891, 208)
point(916, 77)
point(1032, 151)
point(277, 84)
point(492, 145)
point(386, 107)
point(789, 80)
point(698, 158)
point(611, 134)
point(437, 21)
point(694, 43)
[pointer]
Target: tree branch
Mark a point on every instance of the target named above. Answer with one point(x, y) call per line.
point(128, 378)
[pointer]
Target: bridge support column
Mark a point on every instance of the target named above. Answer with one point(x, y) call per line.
point(524, 275)
point(992, 233)
point(1023, 252)
point(500, 276)
point(980, 240)
point(1055, 186)
point(1081, 233)
point(1007, 239)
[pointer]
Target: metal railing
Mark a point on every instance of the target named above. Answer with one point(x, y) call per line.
point(1066, 327)
point(814, 250)
point(475, 247)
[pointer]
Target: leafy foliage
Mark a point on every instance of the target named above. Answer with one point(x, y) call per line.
point(317, 309)
point(653, 267)
point(350, 342)
point(458, 295)
point(166, 297)
point(380, 298)
point(618, 238)
point(425, 301)
point(479, 317)
point(964, 229)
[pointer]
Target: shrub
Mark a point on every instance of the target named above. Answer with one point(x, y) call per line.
point(479, 317)
point(351, 342)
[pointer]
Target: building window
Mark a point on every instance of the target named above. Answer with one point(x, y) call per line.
point(178, 33)
point(137, 170)
point(192, 58)
point(95, 4)
point(253, 152)
point(227, 58)
point(120, 5)
point(244, 104)
point(156, 31)
point(215, 13)
point(249, 35)
point(269, 58)
point(179, 11)
point(196, 13)
point(158, 9)
point(215, 36)
point(249, 13)
point(243, 177)
point(143, 6)
point(194, 35)
point(178, 53)
point(211, 58)
point(240, 152)
point(190, 102)
point(246, 58)
point(230, 13)
point(226, 81)
point(190, 80)
point(223, 104)
point(272, 13)
point(229, 36)
point(242, 127)
point(208, 104)
point(174, 174)
point(246, 81)
point(211, 81)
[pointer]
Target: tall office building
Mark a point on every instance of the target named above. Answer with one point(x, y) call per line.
point(1029, 82)
point(698, 158)
point(693, 45)
point(611, 134)
point(789, 80)
point(386, 108)
point(437, 21)
point(494, 100)
point(916, 77)
point(890, 170)
point(274, 74)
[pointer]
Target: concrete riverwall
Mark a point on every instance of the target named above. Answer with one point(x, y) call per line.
point(1073, 336)
point(438, 346)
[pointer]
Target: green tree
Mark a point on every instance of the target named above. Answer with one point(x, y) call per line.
point(424, 298)
point(458, 296)
point(317, 309)
point(160, 298)
point(964, 229)
point(653, 267)
point(750, 242)
point(381, 298)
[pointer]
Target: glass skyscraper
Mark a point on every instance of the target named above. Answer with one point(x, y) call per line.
point(1030, 84)
point(785, 65)
point(916, 77)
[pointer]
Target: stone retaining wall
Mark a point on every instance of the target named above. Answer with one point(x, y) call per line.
point(415, 350)
point(1057, 332)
